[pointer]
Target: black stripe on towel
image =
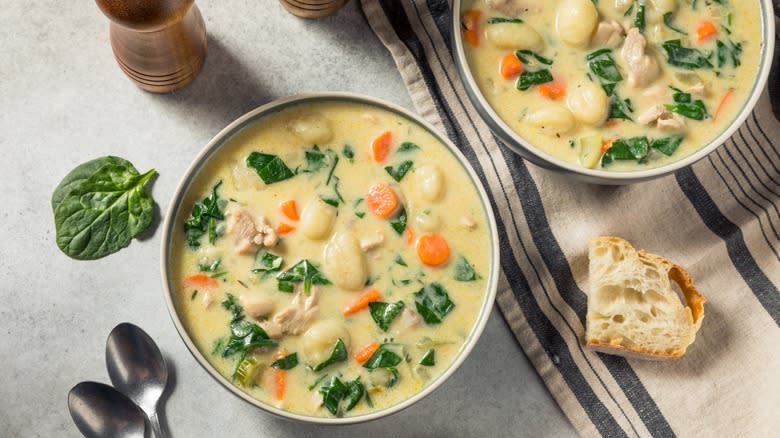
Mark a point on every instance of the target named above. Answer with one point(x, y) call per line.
point(560, 270)
point(549, 338)
point(766, 292)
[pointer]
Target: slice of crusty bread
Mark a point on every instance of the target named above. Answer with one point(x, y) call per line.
point(633, 308)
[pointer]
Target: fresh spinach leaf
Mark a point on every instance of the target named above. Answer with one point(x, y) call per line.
point(603, 66)
point(728, 51)
point(399, 172)
point(496, 20)
point(315, 160)
point(429, 358)
point(335, 199)
point(348, 152)
point(304, 271)
point(383, 357)
point(384, 313)
point(286, 363)
point(668, 17)
point(686, 106)
point(634, 148)
point(464, 271)
point(525, 57)
point(100, 206)
point(527, 79)
point(244, 336)
point(270, 168)
point(332, 393)
point(204, 218)
point(338, 354)
point(210, 266)
point(267, 262)
point(639, 20)
point(231, 304)
point(667, 145)
point(433, 303)
point(620, 108)
point(399, 223)
point(407, 146)
point(355, 391)
point(317, 382)
point(685, 57)
point(399, 260)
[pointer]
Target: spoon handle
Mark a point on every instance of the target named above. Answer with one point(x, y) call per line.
point(155, 420)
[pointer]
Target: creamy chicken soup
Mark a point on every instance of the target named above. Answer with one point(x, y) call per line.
point(331, 259)
point(614, 84)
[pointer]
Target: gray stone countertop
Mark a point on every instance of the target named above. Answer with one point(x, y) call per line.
point(64, 101)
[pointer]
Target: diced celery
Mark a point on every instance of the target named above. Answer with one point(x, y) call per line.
point(247, 371)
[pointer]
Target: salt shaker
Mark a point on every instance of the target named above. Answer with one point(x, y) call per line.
point(159, 44)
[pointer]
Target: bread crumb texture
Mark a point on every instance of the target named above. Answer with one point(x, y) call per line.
point(639, 305)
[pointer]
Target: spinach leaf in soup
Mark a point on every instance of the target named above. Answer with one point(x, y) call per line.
point(348, 152)
point(728, 52)
point(209, 266)
point(244, 336)
point(667, 145)
point(686, 106)
point(496, 20)
point(303, 271)
point(429, 358)
point(287, 362)
point(639, 19)
point(335, 392)
point(464, 271)
point(407, 146)
point(527, 56)
point(231, 304)
point(399, 223)
point(685, 57)
point(603, 66)
point(384, 313)
point(433, 303)
point(267, 262)
point(399, 171)
point(338, 354)
point(668, 18)
point(204, 218)
point(385, 358)
point(270, 168)
point(620, 108)
point(355, 391)
point(100, 206)
point(528, 79)
point(635, 148)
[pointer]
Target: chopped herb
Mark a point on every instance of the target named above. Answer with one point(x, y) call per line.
point(360, 214)
point(270, 168)
point(242, 284)
point(338, 354)
point(304, 271)
point(407, 146)
point(384, 313)
point(194, 294)
point(525, 57)
point(496, 20)
point(528, 79)
point(433, 303)
point(336, 198)
point(639, 20)
point(429, 358)
point(204, 217)
point(399, 172)
point(685, 57)
point(399, 223)
point(348, 152)
point(211, 266)
point(231, 304)
point(287, 362)
point(267, 262)
point(464, 271)
point(399, 260)
point(371, 280)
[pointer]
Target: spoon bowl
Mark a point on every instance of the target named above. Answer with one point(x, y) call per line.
point(101, 411)
point(137, 369)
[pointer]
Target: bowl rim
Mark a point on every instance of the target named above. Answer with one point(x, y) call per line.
point(222, 138)
point(525, 149)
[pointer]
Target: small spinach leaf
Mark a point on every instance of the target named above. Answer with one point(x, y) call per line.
point(527, 79)
point(464, 271)
point(685, 57)
point(348, 152)
point(433, 303)
point(399, 223)
point(668, 17)
point(634, 148)
point(384, 313)
point(496, 20)
point(267, 262)
point(270, 168)
point(304, 271)
point(407, 146)
point(429, 358)
point(525, 57)
point(355, 391)
point(667, 145)
point(338, 354)
point(231, 304)
point(286, 363)
point(204, 217)
point(383, 357)
point(399, 172)
point(332, 393)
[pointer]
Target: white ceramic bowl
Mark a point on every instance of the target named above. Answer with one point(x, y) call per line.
point(531, 153)
point(170, 226)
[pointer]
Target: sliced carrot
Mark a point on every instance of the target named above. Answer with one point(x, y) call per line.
point(380, 147)
point(366, 352)
point(552, 90)
point(722, 104)
point(202, 280)
point(705, 30)
point(284, 228)
point(408, 236)
point(381, 200)
point(361, 302)
point(290, 209)
point(510, 66)
point(432, 249)
point(280, 376)
point(470, 22)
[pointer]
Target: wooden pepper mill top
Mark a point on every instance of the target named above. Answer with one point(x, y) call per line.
point(159, 44)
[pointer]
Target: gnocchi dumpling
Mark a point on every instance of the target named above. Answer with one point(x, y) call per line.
point(317, 219)
point(312, 128)
point(344, 262)
point(551, 120)
point(514, 36)
point(588, 102)
point(319, 339)
point(430, 181)
point(576, 21)
point(427, 222)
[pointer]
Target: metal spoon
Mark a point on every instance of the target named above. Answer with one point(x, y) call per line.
point(137, 369)
point(101, 411)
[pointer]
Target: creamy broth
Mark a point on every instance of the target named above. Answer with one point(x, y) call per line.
point(353, 248)
point(639, 102)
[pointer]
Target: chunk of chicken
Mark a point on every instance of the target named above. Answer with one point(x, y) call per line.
point(249, 233)
point(468, 222)
point(409, 318)
point(294, 319)
point(515, 7)
point(662, 118)
point(207, 299)
point(642, 67)
point(609, 33)
point(697, 90)
point(255, 306)
point(373, 242)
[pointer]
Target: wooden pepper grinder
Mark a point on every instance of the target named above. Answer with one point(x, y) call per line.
point(159, 44)
point(312, 8)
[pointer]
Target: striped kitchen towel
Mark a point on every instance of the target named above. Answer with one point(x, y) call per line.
point(720, 218)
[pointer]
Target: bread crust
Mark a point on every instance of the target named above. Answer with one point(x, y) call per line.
point(694, 301)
